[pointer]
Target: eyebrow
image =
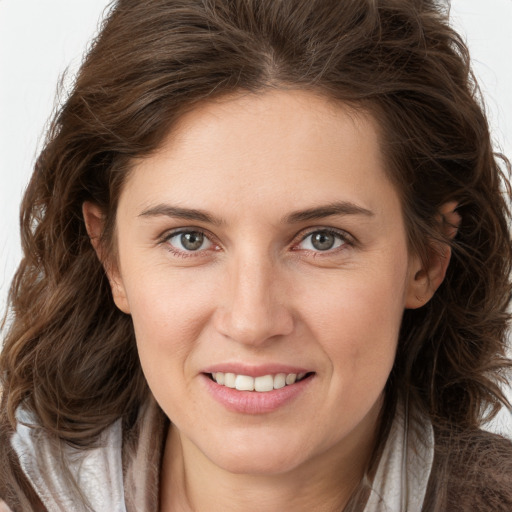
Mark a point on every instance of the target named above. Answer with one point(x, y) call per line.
point(181, 213)
point(319, 212)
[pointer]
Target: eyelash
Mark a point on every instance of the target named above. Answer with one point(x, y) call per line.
point(345, 238)
point(165, 240)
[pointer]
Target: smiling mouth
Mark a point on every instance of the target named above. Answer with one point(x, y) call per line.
point(260, 384)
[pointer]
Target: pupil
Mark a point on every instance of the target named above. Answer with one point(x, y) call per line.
point(322, 241)
point(192, 241)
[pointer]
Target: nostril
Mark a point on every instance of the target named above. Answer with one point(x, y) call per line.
point(254, 326)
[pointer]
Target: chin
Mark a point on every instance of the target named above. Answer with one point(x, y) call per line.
point(273, 464)
point(263, 457)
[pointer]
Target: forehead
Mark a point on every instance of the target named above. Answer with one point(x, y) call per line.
point(280, 148)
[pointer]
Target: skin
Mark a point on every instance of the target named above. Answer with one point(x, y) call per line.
point(258, 292)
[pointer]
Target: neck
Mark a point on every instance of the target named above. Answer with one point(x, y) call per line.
point(190, 482)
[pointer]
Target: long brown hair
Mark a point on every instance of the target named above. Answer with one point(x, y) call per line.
point(70, 356)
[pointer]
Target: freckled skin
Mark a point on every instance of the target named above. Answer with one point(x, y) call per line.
point(257, 291)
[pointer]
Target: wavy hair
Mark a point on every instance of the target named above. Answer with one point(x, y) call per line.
point(69, 355)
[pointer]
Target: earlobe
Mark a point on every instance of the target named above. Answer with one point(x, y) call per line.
point(426, 277)
point(94, 224)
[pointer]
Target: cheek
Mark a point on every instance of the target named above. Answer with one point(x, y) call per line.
point(168, 314)
point(356, 319)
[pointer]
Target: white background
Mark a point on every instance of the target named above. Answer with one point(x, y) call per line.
point(39, 39)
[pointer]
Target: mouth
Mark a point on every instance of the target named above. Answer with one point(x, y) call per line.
point(261, 384)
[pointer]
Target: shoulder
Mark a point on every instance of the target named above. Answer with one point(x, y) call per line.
point(472, 470)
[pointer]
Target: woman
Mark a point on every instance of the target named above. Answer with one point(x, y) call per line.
point(266, 267)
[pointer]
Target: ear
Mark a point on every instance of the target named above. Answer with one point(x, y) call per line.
point(94, 224)
point(425, 278)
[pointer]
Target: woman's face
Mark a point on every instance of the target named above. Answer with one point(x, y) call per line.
point(264, 243)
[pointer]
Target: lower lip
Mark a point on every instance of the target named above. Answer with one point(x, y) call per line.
point(254, 402)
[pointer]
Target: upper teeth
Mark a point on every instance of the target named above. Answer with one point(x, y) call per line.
point(263, 383)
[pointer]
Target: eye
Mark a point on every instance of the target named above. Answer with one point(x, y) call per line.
point(322, 240)
point(189, 241)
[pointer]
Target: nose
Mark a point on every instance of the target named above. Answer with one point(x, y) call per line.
point(253, 308)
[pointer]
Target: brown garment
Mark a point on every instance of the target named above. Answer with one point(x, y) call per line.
point(472, 472)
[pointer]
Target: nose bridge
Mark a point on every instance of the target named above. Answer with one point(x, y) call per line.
point(255, 308)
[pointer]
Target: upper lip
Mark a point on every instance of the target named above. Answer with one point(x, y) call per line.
point(255, 370)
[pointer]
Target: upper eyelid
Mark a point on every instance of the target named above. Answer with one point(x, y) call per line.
point(170, 233)
point(336, 231)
